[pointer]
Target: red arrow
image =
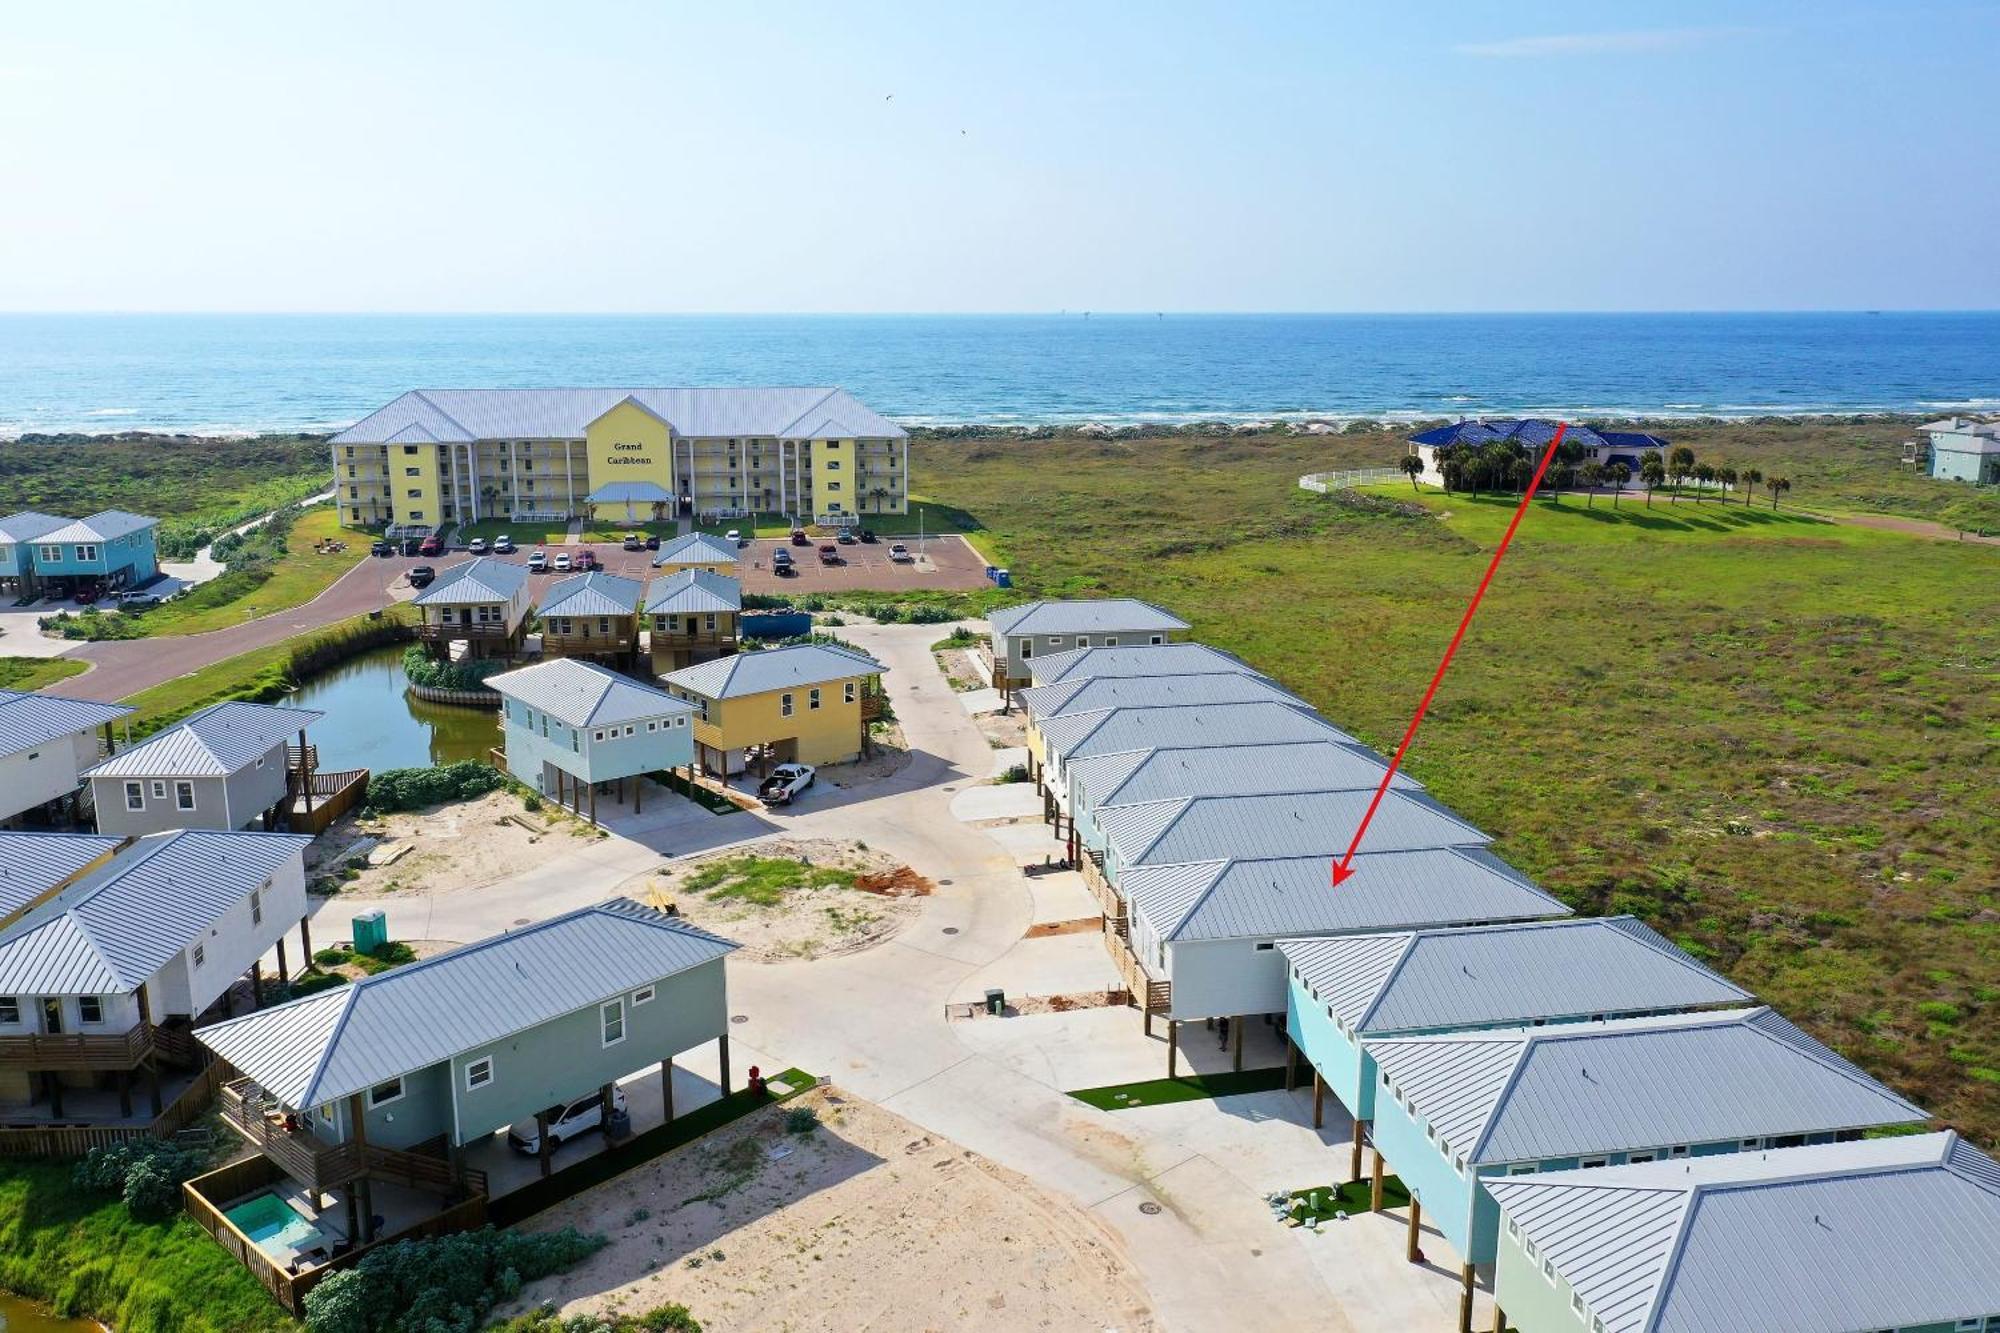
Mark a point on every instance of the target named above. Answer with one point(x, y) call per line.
point(1345, 866)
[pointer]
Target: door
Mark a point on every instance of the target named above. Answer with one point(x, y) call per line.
point(51, 1015)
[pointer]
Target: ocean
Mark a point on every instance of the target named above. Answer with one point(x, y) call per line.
point(227, 374)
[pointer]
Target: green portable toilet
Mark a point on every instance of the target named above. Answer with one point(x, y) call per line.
point(371, 931)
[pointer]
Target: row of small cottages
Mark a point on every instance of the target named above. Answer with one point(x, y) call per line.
point(1473, 1031)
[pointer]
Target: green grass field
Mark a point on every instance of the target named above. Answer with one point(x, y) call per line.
point(298, 576)
point(31, 673)
point(1771, 736)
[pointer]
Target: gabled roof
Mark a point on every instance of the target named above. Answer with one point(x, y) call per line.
point(583, 694)
point(1478, 976)
point(106, 526)
point(214, 742)
point(1116, 730)
point(693, 592)
point(1086, 696)
point(1529, 1094)
point(328, 1046)
point(484, 579)
point(594, 594)
point(1170, 772)
point(1529, 432)
point(27, 525)
point(1283, 824)
point(109, 932)
point(630, 492)
point(1879, 1233)
point(33, 863)
point(789, 413)
point(1261, 898)
point(414, 433)
point(1107, 615)
point(1137, 659)
point(772, 669)
point(696, 548)
point(28, 720)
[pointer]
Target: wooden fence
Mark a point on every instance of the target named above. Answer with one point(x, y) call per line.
point(334, 794)
point(76, 1140)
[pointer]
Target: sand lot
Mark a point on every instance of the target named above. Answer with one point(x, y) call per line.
point(464, 845)
point(866, 1223)
point(809, 920)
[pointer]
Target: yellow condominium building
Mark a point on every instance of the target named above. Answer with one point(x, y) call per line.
point(438, 456)
point(810, 703)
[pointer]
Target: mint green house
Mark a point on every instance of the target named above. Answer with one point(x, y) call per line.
point(572, 726)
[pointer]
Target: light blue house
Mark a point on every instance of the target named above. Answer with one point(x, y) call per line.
point(572, 726)
point(18, 534)
point(1455, 1111)
point(1896, 1234)
point(108, 550)
point(1344, 990)
point(1963, 450)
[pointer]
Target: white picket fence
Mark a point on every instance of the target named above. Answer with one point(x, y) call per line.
point(1340, 481)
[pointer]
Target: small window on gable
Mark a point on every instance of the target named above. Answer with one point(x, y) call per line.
point(200, 955)
point(1111, 641)
point(1264, 946)
point(1158, 639)
point(1055, 640)
point(384, 1093)
point(644, 995)
point(479, 1073)
point(652, 726)
point(812, 698)
point(10, 1008)
point(597, 735)
point(90, 1008)
point(630, 730)
point(256, 907)
point(159, 790)
point(847, 692)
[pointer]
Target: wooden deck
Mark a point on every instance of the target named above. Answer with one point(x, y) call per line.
point(75, 1051)
point(321, 1166)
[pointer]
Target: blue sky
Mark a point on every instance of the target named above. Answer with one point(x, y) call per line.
point(595, 156)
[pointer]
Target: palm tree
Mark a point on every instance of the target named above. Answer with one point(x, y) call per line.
point(1652, 473)
point(1590, 474)
point(1703, 473)
point(1727, 476)
point(1679, 464)
point(1411, 466)
point(1618, 474)
point(1752, 479)
point(1777, 486)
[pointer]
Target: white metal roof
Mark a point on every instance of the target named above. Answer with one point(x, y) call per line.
point(460, 415)
point(1252, 898)
point(1105, 615)
point(769, 669)
point(1477, 976)
point(214, 742)
point(1092, 695)
point(1139, 659)
point(28, 720)
point(1116, 730)
point(27, 525)
point(696, 548)
point(583, 694)
point(484, 579)
point(342, 1041)
point(33, 863)
point(594, 594)
point(1243, 770)
point(111, 930)
point(1281, 824)
point(1530, 1094)
point(693, 592)
point(1878, 1233)
point(106, 526)
point(630, 492)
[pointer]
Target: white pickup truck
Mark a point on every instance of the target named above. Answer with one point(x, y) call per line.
point(786, 781)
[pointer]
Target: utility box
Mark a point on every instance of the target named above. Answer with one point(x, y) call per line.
point(371, 931)
point(996, 1002)
point(1003, 578)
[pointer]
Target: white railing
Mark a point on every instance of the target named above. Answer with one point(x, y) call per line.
point(1340, 481)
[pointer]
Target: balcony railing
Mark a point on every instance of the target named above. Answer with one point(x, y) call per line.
point(489, 629)
point(318, 1165)
point(70, 1050)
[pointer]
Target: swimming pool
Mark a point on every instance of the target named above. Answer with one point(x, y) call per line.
point(278, 1231)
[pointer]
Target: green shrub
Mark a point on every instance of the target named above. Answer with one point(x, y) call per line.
point(312, 983)
point(146, 1173)
point(801, 1120)
point(417, 788)
point(1015, 773)
point(441, 1284)
point(661, 1319)
point(425, 670)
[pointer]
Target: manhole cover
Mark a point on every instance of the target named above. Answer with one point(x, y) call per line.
point(739, 1018)
point(951, 930)
point(944, 881)
point(1149, 1208)
point(520, 921)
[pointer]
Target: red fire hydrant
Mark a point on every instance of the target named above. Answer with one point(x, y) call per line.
point(756, 1081)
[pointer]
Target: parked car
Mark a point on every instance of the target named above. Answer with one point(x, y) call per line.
point(634, 542)
point(868, 536)
point(799, 537)
point(563, 562)
point(381, 548)
point(847, 538)
point(734, 536)
point(503, 545)
point(781, 558)
point(138, 599)
point(431, 545)
point(652, 541)
point(565, 1122)
point(422, 576)
point(410, 545)
point(86, 595)
point(786, 781)
point(788, 570)
point(587, 559)
point(829, 554)
point(477, 546)
point(538, 561)
point(899, 552)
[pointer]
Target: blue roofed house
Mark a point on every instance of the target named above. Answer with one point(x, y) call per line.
point(593, 616)
point(1458, 1110)
point(18, 533)
point(1533, 435)
point(1894, 1234)
point(47, 744)
point(482, 603)
point(1344, 990)
point(376, 1105)
point(228, 766)
point(572, 727)
point(107, 551)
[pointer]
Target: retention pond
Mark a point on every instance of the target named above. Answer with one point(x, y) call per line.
point(373, 723)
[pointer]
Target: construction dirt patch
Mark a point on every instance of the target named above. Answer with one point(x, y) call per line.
point(888, 754)
point(863, 1222)
point(789, 899)
point(463, 845)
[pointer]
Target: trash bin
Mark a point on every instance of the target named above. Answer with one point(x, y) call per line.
point(620, 1124)
point(371, 931)
point(1003, 578)
point(996, 1001)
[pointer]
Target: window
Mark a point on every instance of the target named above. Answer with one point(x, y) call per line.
point(833, 465)
point(410, 449)
point(1157, 639)
point(630, 730)
point(412, 472)
point(10, 1008)
point(597, 735)
point(1521, 1169)
point(1576, 1302)
point(384, 1093)
point(256, 907)
point(1264, 946)
point(1639, 1157)
point(86, 553)
point(135, 796)
point(1055, 640)
point(1513, 1227)
point(184, 796)
point(832, 486)
point(1528, 1246)
point(1083, 641)
point(784, 705)
point(479, 1073)
point(1752, 1145)
point(652, 727)
point(1111, 641)
point(611, 1016)
point(1589, 1162)
point(90, 1008)
point(1678, 1150)
point(709, 621)
point(847, 692)
point(812, 699)
point(50, 554)
point(1549, 1269)
point(200, 955)
point(682, 720)
point(644, 995)
point(414, 493)
point(159, 790)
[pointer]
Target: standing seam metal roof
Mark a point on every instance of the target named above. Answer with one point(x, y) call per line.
point(594, 594)
point(777, 412)
point(1106, 615)
point(770, 669)
point(1171, 772)
point(109, 525)
point(214, 742)
point(33, 863)
point(697, 548)
point(583, 694)
point(27, 525)
point(1085, 696)
point(694, 592)
point(28, 720)
point(1115, 730)
point(482, 579)
point(325, 1047)
point(1282, 824)
point(1137, 659)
